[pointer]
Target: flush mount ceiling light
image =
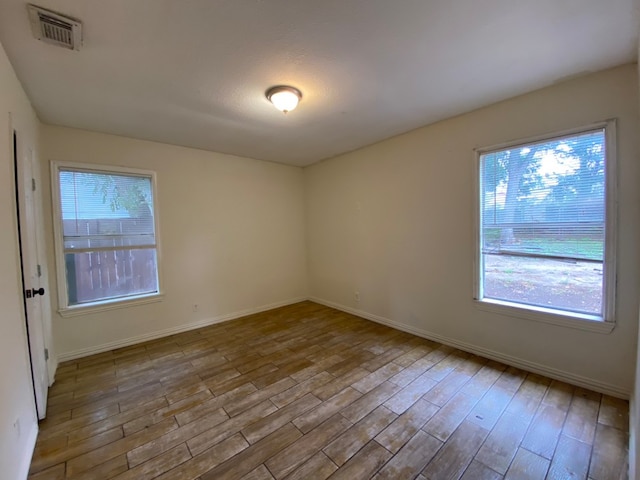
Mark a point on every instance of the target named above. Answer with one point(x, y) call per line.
point(284, 98)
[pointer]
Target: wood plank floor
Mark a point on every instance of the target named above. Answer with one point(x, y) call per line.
point(308, 392)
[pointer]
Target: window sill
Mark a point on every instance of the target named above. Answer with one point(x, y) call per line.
point(577, 321)
point(107, 305)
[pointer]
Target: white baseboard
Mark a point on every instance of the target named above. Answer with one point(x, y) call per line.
point(578, 380)
point(27, 454)
point(105, 347)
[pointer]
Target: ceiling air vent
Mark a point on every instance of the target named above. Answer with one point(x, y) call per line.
point(54, 28)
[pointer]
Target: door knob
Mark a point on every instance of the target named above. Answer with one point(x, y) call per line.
point(39, 291)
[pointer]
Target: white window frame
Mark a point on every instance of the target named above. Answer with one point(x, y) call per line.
point(64, 309)
point(593, 323)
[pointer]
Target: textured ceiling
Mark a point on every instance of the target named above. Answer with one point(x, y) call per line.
point(194, 72)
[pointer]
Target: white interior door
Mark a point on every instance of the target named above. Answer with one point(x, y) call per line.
point(31, 271)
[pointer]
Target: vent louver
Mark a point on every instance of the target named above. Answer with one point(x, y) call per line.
point(51, 27)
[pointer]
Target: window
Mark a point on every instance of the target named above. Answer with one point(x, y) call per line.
point(106, 242)
point(546, 225)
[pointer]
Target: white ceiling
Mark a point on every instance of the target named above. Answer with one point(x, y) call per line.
point(194, 72)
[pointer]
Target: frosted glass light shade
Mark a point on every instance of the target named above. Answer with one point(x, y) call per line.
point(284, 98)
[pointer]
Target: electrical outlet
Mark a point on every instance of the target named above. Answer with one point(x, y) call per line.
point(356, 295)
point(196, 307)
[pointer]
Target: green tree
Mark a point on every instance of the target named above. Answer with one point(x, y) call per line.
point(518, 169)
point(587, 180)
point(125, 192)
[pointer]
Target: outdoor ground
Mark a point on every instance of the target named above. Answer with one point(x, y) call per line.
point(544, 282)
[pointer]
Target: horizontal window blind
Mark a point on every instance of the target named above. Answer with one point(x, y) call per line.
point(545, 199)
point(102, 210)
point(108, 235)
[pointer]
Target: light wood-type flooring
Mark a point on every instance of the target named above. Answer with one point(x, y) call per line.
point(309, 392)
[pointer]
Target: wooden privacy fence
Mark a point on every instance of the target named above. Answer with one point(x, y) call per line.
point(117, 267)
point(107, 274)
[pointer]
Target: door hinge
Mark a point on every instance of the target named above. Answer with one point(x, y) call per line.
point(39, 269)
point(33, 184)
point(46, 354)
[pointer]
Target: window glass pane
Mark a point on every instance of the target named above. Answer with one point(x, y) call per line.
point(105, 204)
point(544, 282)
point(109, 217)
point(94, 276)
point(543, 223)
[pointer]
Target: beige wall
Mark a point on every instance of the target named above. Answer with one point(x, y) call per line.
point(232, 233)
point(16, 393)
point(634, 403)
point(394, 221)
